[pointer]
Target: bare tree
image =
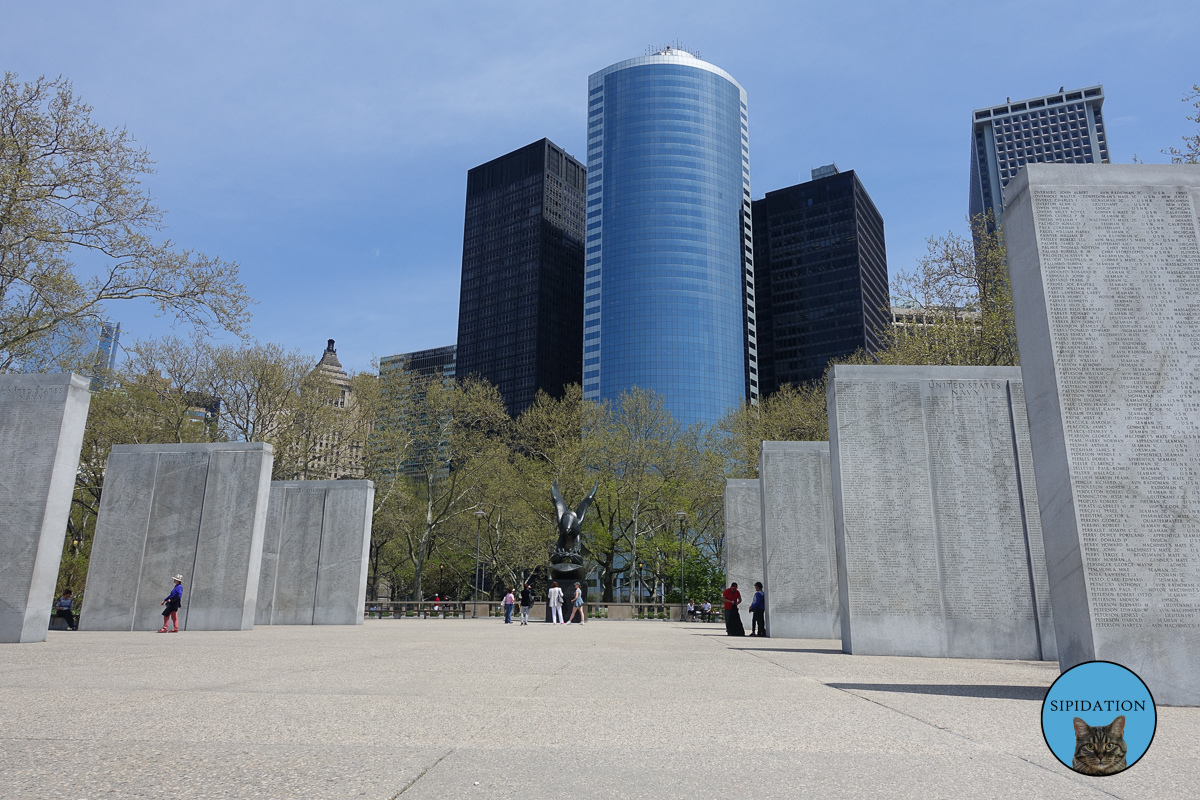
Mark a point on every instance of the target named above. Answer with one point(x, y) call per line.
point(70, 190)
point(1190, 154)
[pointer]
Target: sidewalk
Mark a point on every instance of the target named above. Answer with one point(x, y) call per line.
point(429, 708)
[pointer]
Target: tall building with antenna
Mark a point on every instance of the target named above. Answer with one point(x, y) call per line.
point(1060, 128)
point(105, 360)
point(668, 296)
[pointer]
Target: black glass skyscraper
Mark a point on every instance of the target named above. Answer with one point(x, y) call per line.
point(821, 284)
point(435, 361)
point(520, 313)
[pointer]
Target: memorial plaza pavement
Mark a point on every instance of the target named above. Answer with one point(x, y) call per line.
point(477, 709)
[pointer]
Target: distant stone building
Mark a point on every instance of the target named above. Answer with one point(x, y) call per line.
point(338, 455)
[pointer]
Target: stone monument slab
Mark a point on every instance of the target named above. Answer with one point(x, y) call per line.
point(42, 418)
point(1105, 269)
point(743, 540)
point(268, 569)
point(194, 509)
point(320, 548)
point(939, 544)
point(799, 558)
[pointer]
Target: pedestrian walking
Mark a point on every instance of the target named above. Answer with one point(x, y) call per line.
point(526, 603)
point(577, 602)
point(62, 609)
point(758, 607)
point(509, 601)
point(733, 617)
point(555, 600)
point(172, 602)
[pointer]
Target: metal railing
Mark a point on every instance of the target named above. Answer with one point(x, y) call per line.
point(463, 609)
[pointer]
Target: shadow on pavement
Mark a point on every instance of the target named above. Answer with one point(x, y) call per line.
point(823, 650)
point(951, 690)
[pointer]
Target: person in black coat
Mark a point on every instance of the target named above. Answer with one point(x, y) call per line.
point(526, 603)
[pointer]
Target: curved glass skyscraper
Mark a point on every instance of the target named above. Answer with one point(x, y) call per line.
point(668, 301)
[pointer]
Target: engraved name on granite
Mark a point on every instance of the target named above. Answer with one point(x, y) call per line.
point(939, 543)
point(1105, 269)
point(193, 509)
point(743, 540)
point(799, 557)
point(42, 418)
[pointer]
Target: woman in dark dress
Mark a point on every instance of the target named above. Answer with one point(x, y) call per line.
point(733, 618)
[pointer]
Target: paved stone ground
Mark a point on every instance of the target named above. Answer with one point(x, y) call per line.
point(477, 709)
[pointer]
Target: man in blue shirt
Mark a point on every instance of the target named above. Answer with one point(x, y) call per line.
point(758, 625)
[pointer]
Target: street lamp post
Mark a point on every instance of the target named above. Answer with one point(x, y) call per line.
point(682, 517)
point(479, 515)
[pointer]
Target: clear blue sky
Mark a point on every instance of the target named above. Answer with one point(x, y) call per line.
point(324, 146)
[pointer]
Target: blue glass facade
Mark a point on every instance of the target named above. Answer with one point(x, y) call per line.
point(668, 297)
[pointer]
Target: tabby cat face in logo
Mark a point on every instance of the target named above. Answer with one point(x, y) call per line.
point(1099, 750)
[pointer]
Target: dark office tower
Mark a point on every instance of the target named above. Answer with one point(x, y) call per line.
point(821, 282)
point(437, 361)
point(1060, 128)
point(520, 313)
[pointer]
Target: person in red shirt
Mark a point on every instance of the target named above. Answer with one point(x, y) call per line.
point(733, 619)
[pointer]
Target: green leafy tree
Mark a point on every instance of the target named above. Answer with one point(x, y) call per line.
point(77, 232)
point(641, 456)
point(454, 436)
point(792, 414)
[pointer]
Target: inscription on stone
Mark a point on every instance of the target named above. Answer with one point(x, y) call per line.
point(936, 555)
point(743, 540)
point(193, 509)
point(1132, 444)
point(42, 419)
point(1106, 286)
point(317, 574)
point(799, 561)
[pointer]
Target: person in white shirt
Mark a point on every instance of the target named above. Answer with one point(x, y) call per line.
point(555, 599)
